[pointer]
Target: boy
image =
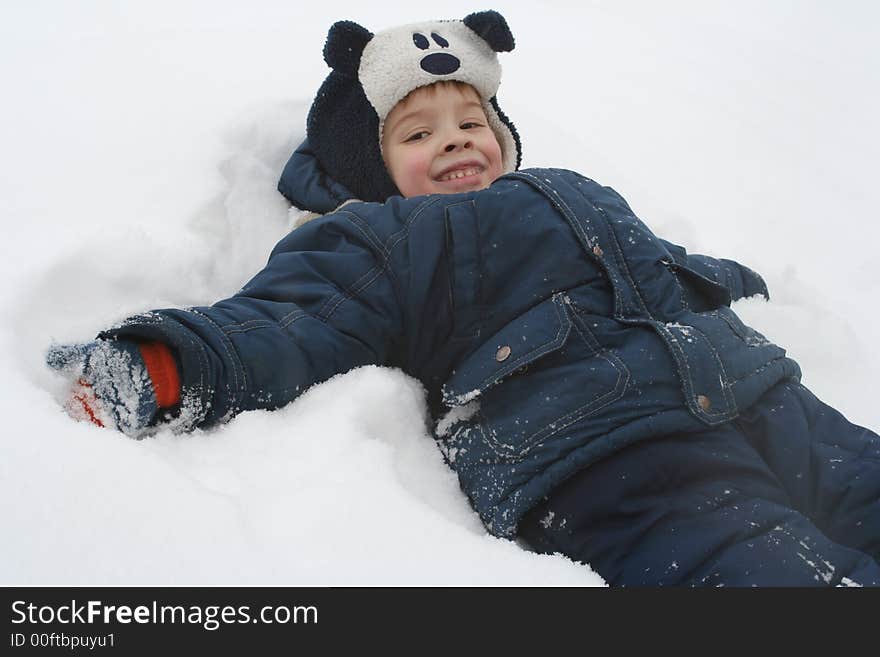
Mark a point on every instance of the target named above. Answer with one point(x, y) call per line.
point(593, 390)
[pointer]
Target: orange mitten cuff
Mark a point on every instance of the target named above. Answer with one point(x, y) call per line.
point(162, 369)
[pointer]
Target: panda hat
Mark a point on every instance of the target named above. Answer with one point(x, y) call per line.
point(373, 72)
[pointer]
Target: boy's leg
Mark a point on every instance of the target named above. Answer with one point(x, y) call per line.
point(693, 509)
point(829, 466)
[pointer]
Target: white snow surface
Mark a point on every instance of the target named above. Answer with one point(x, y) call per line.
point(142, 144)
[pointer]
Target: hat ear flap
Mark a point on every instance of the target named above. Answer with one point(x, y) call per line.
point(492, 28)
point(345, 44)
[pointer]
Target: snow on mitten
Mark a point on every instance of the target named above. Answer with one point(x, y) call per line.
point(753, 283)
point(112, 383)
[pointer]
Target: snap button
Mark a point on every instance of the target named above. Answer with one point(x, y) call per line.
point(704, 402)
point(502, 353)
point(598, 251)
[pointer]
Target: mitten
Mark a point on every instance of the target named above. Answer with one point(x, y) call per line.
point(117, 383)
point(752, 283)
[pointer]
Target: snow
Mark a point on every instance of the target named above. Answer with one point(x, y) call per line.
point(142, 143)
point(461, 412)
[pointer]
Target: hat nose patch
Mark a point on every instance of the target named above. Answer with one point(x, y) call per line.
point(440, 63)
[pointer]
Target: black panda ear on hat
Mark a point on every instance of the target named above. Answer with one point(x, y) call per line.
point(345, 45)
point(492, 28)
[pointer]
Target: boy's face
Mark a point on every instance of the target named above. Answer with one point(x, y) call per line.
point(438, 141)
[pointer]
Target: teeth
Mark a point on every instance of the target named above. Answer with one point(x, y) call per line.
point(461, 173)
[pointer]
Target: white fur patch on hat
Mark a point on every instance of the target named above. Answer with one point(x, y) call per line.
point(401, 59)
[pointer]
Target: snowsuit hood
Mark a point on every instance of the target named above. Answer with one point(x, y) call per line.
point(305, 184)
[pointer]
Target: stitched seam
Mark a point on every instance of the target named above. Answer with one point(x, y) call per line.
point(725, 389)
point(742, 331)
point(557, 201)
point(231, 354)
point(288, 322)
point(540, 350)
point(365, 230)
point(682, 294)
point(573, 220)
point(475, 320)
point(725, 382)
point(332, 304)
point(681, 361)
point(563, 206)
point(345, 293)
point(758, 369)
point(251, 325)
point(259, 323)
point(618, 254)
point(403, 233)
point(363, 226)
point(228, 328)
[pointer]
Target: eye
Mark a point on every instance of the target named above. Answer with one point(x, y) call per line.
point(439, 40)
point(467, 125)
point(421, 41)
point(418, 136)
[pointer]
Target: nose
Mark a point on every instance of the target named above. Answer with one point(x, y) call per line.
point(456, 143)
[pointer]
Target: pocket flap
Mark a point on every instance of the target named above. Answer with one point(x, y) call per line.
point(537, 332)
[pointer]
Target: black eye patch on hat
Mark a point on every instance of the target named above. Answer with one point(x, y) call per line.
point(371, 73)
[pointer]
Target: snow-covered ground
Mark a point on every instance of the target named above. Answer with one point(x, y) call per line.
point(142, 143)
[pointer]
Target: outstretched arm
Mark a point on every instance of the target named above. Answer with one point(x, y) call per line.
point(738, 279)
point(323, 304)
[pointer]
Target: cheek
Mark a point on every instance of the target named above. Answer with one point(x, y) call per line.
point(493, 153)
point(410, 173)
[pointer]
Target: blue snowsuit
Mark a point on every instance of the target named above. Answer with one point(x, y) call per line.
point(593, 390)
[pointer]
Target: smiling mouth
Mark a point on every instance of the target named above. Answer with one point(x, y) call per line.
point(460, 173)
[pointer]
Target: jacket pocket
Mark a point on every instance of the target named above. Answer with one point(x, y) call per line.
point(534, 378)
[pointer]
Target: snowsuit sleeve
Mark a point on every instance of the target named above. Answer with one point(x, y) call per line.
point(738, 279)
point(324, 304)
